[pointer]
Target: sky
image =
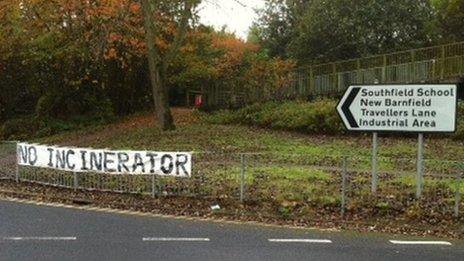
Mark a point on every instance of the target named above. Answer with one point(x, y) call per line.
point(238, 18)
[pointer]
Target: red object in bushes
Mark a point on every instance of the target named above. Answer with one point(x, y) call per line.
point(198, 101)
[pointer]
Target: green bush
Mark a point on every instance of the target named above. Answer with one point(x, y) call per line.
point(36, 127)
point(460, 126)
point(319, 117)
point(19, 129)
point(460, 131)
point(58, 113)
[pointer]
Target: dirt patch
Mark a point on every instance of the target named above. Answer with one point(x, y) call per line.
point(182, 117)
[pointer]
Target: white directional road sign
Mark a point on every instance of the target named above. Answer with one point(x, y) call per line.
point(400, 108)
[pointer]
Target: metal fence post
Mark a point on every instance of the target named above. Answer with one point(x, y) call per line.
point(413, 66)
point(17, 163)
point(442, 62)
point(76, 182)
point(311, 82)
point(153, 187)
point(17, 172)
point(434, 61)
point(457, 197)
point(384, 69)
point(343, 196)
point(358, 72)
point(242, 177)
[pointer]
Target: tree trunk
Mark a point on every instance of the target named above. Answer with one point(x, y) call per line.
point(157, 78)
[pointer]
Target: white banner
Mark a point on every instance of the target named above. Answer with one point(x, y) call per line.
point(177, 164)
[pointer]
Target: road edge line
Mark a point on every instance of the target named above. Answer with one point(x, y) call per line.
point(164, 216)
point(302, 240)
point(412, 242)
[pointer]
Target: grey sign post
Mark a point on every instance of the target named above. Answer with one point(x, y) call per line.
point(413, 108)
point(420, 166)
point(375, 145)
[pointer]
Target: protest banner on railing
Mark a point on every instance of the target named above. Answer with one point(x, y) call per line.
point(177, 164)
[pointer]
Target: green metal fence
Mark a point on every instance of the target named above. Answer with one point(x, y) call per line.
point(432, 64)
point(426, 65)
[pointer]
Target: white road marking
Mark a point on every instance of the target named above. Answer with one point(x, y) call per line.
point(40, 238)
point(187, 239)
point(323, 241)
point(400, 242)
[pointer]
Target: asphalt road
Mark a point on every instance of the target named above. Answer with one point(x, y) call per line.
point(29, 232)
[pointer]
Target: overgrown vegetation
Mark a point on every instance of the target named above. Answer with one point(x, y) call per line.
point(35, 127)
point(318, 117)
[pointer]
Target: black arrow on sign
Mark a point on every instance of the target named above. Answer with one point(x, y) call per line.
point(346, 107)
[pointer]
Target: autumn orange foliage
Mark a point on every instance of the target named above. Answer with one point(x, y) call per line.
point(97, 48)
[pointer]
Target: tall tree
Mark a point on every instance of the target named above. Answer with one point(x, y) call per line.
point(450, 19)
point(341, 29)
point(319, 30)
point(158, 60)
point(277, 25)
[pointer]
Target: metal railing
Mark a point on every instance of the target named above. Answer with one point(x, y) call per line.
point(335, 181)
point(425, 65)
point(431, 64)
